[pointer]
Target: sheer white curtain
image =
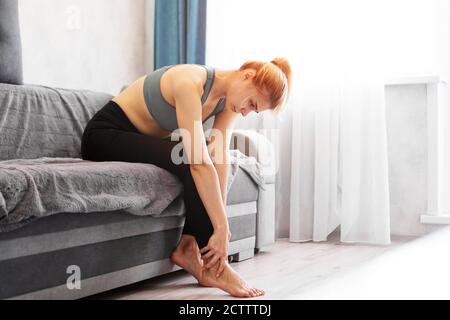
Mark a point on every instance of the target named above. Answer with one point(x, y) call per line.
point(331, 140)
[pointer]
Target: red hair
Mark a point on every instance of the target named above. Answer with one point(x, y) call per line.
point(273, 77)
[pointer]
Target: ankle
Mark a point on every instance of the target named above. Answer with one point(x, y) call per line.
point(214, 268)
point(187, 244)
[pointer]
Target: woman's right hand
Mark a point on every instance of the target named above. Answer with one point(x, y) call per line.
point(217, 250)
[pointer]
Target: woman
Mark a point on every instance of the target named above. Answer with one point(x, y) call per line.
point(135, 126)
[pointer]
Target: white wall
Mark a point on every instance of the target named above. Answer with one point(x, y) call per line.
point(97, 45)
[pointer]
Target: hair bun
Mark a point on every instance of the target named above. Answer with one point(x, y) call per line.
point(282, 63)
point(285, 66)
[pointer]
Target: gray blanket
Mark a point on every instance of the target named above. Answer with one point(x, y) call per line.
point(34, 188)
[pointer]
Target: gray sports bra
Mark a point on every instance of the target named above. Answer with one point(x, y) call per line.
point(161, 110)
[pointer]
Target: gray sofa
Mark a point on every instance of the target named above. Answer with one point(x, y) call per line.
point(110, 248)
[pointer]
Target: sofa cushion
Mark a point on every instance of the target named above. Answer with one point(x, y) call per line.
point(35, 188)
point(10, 45)
point(38, 121)
point(32, 189)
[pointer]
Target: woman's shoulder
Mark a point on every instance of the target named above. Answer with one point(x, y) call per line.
point(195, 73)
point(188, 70)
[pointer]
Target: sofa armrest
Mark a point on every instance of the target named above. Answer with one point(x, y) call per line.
point(254, 144)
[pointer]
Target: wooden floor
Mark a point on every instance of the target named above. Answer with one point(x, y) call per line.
point(408, 268)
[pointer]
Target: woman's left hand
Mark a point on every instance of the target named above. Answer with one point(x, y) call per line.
point(217, 251)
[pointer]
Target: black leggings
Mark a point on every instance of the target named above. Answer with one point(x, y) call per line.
point(110, 136)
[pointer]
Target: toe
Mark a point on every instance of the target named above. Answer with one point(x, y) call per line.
point(245, 294)
point(257, 292)
point(249, 292)
point(252, 292)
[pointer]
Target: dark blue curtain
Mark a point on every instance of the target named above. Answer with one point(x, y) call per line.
point(180, 32)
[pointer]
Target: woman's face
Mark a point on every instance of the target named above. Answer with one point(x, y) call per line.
point(244, 97)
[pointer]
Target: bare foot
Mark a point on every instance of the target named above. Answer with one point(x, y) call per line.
point(230, 281)
point(187, 255)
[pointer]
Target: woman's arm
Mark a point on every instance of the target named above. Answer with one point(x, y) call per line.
point(204, 174)
point(219, 147)
point(222, 172)
point(189, 117)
